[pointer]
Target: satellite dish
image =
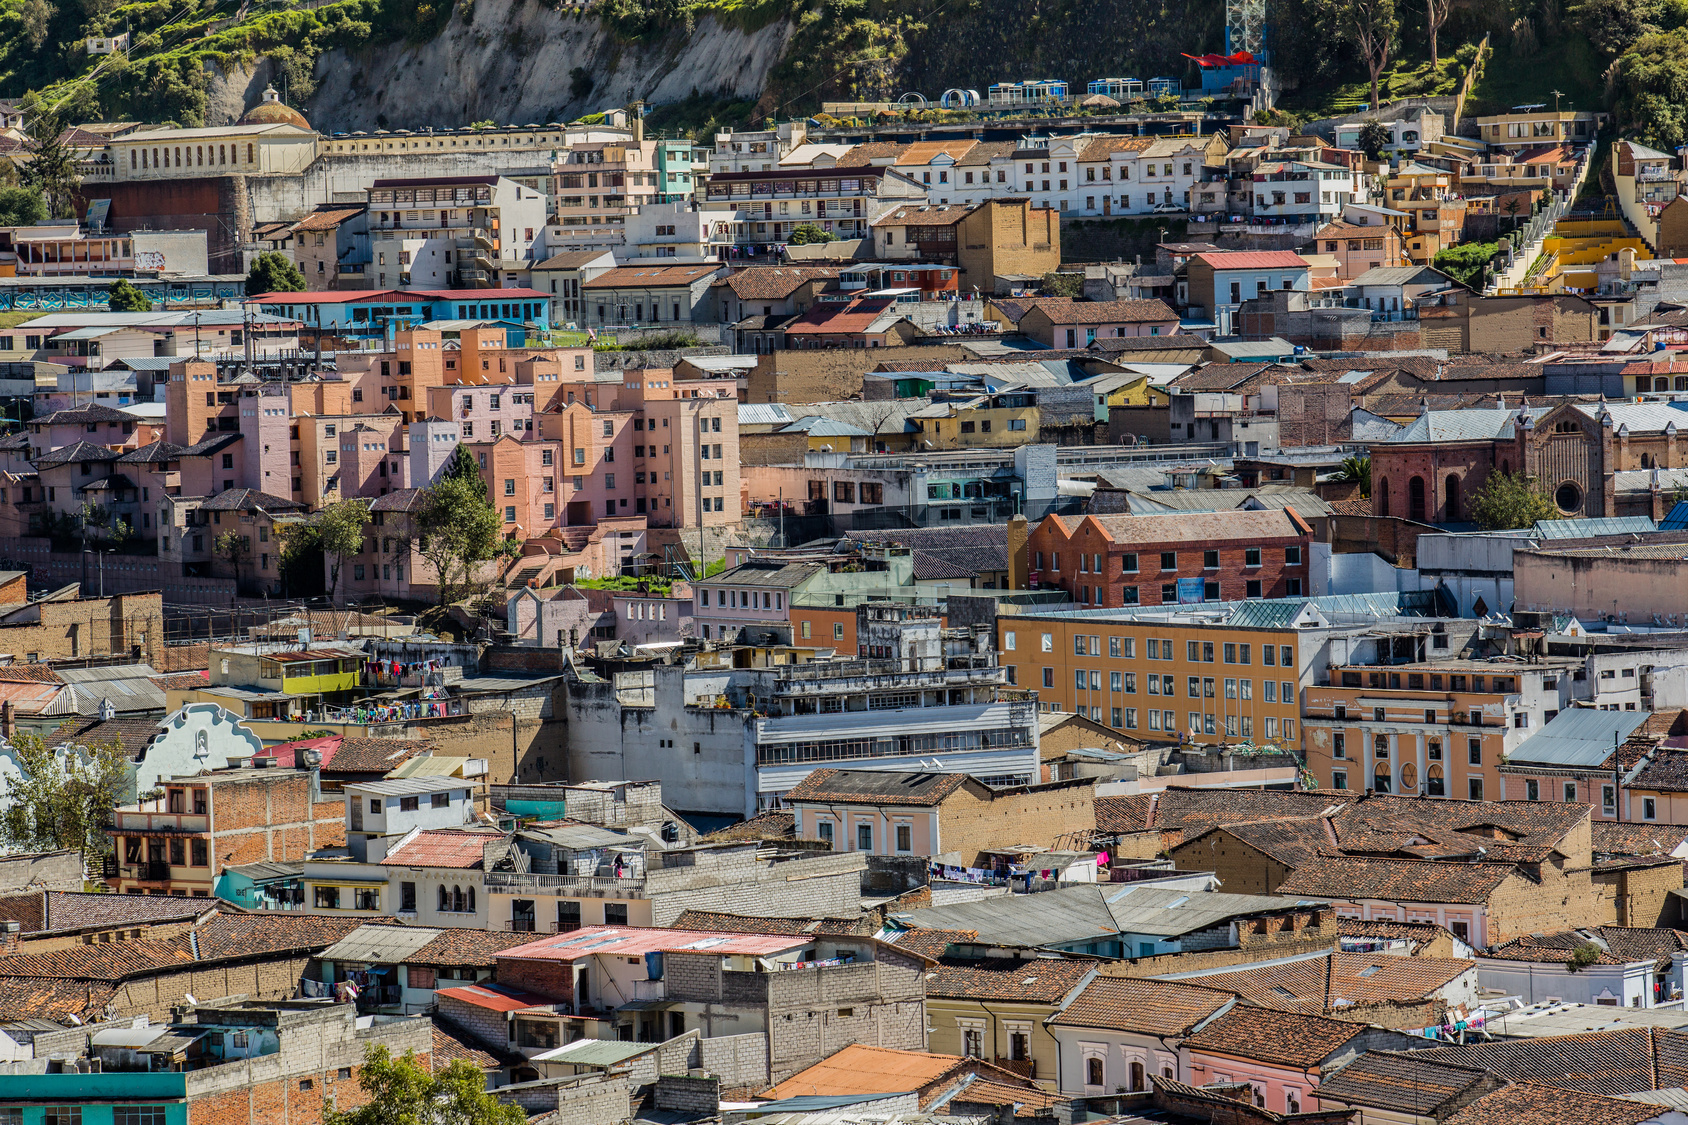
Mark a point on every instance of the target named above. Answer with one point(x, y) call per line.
point(188, 996)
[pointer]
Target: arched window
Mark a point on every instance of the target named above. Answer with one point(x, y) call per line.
point(1409, 777)
point(1682, 383)
point(1381, 781)
point(1415, 499)
point(1450, 503)
point(1434, 784)
point(1383, 497)
point(1136, 1075)
point(1093, 1071)
point(471, 900)
point(445, 900)
point(1646, 461)
point(457, 899)
point(1643, 384)
point(1506, 467)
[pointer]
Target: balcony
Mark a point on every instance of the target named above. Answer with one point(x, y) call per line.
point(563, 886)
point(145, 872)
point(136, 821)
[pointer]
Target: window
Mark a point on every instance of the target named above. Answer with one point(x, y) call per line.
point(327, 898)
point(1169, 560)
point(823, 830)
point(1093, 1071)
point(1474, 751)
point(407, 897)
point(1571, 791)
point(864, 837)
point(1532, 789)
point(905, 838)
point(61, 1115)
point(1474, 788)
point(1251, 556)
point(1649, 808)
point(133, 1115)
point(972, 1042)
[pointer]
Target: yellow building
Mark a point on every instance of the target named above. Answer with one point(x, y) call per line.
point(1126, 388)
point(978, 421)
point(1163, 674)
point(1574, 254)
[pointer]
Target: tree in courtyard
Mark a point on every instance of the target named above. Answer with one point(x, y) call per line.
point(235, 549)
point(63, 796)
point(273, 272)
point(1063, 285)
point(1358, 469)
point(340, 533)
point(457, 529)
point(402, 1092)
point(805, 234)
point(300, 563)
point(1510, 500)
point(1374, 138)
point(125, 297)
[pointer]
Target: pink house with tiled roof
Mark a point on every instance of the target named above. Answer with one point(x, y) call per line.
point(1220, 282)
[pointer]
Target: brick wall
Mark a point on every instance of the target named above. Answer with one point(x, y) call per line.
point(1315, 414)
point(490, 1027)
point(602, 1100)
point(53, 871)
point(546, 977)
point(697, 1096)
point(1641, 896)
point(693, 975)
point(829, 375)
point(827, 886)
point(270, 816)
point(737, 1060)
point(773, 449)
point(1242, 869)
point(153, 996)
point(1041, 815)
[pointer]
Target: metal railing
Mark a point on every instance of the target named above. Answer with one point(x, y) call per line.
point(510, 881)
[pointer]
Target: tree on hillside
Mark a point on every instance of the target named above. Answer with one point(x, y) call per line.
point(21, 206)
point(1374, 138)
point(62, 799)
point(300, 561)
point(1371, 26)
point(1651, 81)
point(1435, 15)
point(457, 529)
point(50, 168)
point(805, 234)
point(1614, 26)
point(1467, 264)
point(340, 532)
point(125, 297)
point(1510, 500)
point(402, 1092)
point(273, 272)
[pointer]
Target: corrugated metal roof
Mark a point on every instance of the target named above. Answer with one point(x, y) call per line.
point(379, 945)
point(428, 767)
point(1170, 913)
point(595, 1052)
point(1579, 736)
point(1459, 425)
point(1640, 417)
point(399, 786)
point(764, 414)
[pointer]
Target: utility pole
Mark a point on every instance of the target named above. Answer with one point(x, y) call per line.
point(1617, 781)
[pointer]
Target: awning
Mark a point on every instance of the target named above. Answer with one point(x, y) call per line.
point(648, 1005)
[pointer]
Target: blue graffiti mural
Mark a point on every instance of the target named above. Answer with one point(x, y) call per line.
point(50, 295)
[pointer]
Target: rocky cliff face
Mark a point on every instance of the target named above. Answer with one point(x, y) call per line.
point(511, 61)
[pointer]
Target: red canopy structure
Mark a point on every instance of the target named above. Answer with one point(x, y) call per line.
point(1241, 58)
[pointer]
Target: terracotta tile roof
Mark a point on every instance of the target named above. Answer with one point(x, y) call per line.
point(1151, 1007)
point(923, 152)
point(857, 316)
point(1028, 1101)
point(1403, 1081)
point(183, 681)
point(1193, 811)
point(924, 215)
point(29, 674)
point(1348, 877)
point(1399, 931)
point(1666, 773)
point(1611, 838)
point(443, 847)
point(225, 937)
point(984, 152)
point(1617, 1061)
point(874, 787)
point(1292, 842)
point(1529, 1103)
point(75, 910)
point(865, 154)
point(1038, 980)
point(248, 499)
point(646, 277)
point(474, 948)
point(37, 998)
point(375, 755)
point(932, 943)
point(1314, 985)
point(745, 924)
point(1617, 945)
point(772, 825)
point(327, 218)
point(1276, 1037)
point(1230, 376)
point(1194, 527)
point(1123, 814)
point(129, 736)
point(764, 283)
point(1351, 507)
point(1100, 148)
point(1062, 310)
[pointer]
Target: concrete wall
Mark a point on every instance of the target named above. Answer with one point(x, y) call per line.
point(47, 871)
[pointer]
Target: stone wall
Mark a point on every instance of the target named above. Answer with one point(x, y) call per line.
point(48, 871)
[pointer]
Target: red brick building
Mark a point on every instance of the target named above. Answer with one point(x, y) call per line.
point(178, 844)
point(1127, 560)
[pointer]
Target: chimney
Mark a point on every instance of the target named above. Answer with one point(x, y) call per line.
point(8, 720)
point(636, 119)
point(1018, 533)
